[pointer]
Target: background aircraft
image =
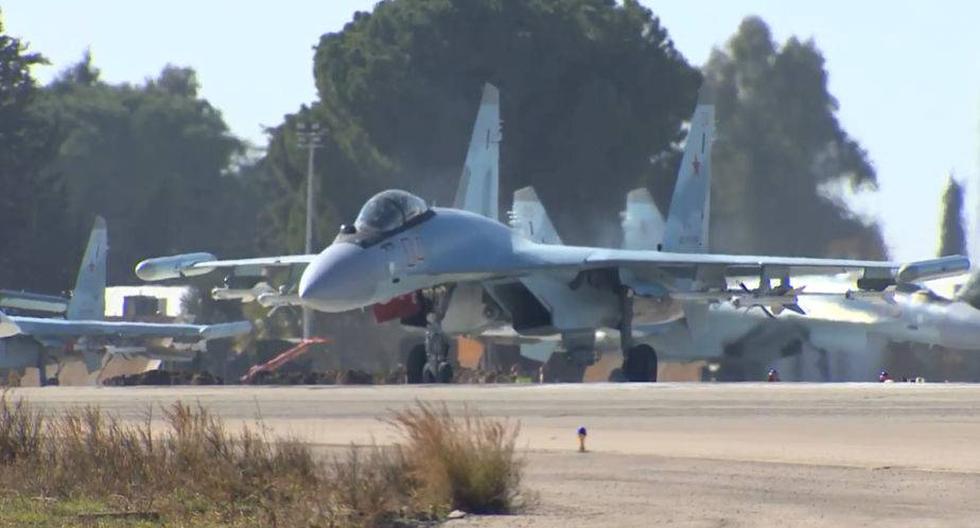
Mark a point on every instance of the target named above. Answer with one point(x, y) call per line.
point(460, 271)
point(38, 341)
point(847, 330)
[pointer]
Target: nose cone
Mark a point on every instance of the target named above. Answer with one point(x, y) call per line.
point(343, 277)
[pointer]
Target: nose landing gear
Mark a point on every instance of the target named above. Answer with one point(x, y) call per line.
point(437, 367)
point(429, 363)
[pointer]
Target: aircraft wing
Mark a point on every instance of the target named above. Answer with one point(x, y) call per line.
point(193, 264)
point(734, 264)
point(33, 301)
point(50, 327)
point(651, 265)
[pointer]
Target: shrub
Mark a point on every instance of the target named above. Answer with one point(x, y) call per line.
point(468, 463)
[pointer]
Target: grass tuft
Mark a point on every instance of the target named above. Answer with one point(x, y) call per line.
point(468, 463)
point(195, 472)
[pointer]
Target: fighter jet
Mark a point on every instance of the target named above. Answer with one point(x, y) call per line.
point(459, 270)
point(838, 320)
point(38, 341)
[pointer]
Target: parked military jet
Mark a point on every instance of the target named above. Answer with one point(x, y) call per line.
point(36, 341)
point(855, 325)
point(459, 270)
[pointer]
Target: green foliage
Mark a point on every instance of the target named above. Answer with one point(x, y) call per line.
point(952, 236)
point(780, 146)
point(152, 159)
point(29, 201)
point(591, 90)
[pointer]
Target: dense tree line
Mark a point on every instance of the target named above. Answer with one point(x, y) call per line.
point(154, 159)
point(28, 200)
point(591, 90)
point(594, 103)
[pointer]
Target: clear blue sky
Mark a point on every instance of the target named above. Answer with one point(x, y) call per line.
point(906, 74)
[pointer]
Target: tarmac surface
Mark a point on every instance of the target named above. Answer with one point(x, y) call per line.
point(684, 454)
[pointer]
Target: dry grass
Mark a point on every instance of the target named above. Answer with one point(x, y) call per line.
point(468, 463)
point(197, 473)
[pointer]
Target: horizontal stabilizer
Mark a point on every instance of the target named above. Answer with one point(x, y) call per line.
point(226, 330)
point(34, 302)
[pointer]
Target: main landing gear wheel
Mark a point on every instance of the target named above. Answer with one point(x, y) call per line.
point(415, 365)
point(445, 373)
point(640, 364)
point(441, 373)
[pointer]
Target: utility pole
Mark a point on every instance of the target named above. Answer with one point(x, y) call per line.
point(310, 138)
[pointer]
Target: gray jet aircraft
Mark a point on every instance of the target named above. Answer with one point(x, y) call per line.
point(460, 271)
point(38, 341)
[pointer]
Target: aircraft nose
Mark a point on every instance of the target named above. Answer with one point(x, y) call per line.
point(340, 278)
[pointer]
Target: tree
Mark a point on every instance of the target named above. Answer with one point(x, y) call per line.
point(154, 159)
point(592, 90)
point(31, 234)
point(952, 237)
point(779, 149)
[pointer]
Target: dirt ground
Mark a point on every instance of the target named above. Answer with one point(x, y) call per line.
point(665, 454)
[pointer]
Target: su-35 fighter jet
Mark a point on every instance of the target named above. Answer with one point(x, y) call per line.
point(459, 270)
point(38, 341)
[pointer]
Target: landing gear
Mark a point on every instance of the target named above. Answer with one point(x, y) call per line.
point(640, 364)
point(445, 372)
point(42, 366)
point(437, 367)
point(437, 372)
point(639, 361)
point(415, 365)
point(429, 363)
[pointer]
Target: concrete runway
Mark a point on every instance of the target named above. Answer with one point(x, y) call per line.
point(664, 454)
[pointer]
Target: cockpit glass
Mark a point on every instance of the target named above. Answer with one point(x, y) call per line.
point(389, 210)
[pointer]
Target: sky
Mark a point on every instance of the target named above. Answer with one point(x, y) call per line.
point(906, 74)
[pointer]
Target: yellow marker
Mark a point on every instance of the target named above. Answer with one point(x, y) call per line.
point(582, 433)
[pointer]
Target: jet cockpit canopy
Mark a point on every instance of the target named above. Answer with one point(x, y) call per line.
point(388, 211)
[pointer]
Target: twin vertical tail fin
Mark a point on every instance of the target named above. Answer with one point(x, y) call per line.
point(528, 217)
point(479, 185)
point(687, 219)
point(88, 298)
point(643, 223)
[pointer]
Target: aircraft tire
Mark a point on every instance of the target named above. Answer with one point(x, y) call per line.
point(444, 373)
point(415, 365)
point(640, 364)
